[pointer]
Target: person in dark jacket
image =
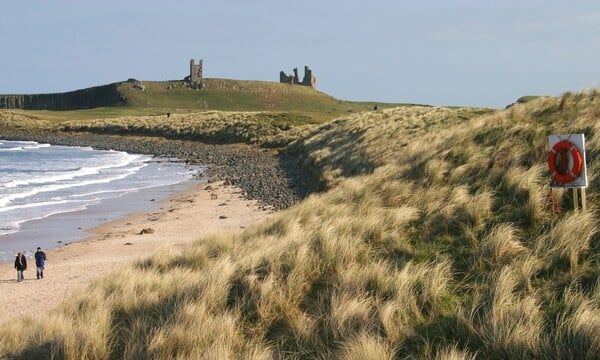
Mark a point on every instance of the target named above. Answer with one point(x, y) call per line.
point(40, 262)
point(20, 265)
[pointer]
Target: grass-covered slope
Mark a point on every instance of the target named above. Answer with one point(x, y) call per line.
point(265, 129)
point(437, 239)
point(238, 95)
point(133, 98)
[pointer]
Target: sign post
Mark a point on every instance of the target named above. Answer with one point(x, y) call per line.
point(567, 165)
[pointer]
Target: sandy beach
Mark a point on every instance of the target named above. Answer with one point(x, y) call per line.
point(183, 218)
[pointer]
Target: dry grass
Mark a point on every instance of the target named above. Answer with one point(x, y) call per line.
point(210, 126)
point(257, 128)
point(568, 239)
point(509, 324)
point(436, 239)
point(502, 244)
point(22, 120)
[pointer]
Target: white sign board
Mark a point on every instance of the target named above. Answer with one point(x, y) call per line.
point(570, 176)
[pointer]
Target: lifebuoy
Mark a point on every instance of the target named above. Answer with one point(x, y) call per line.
point(563, 169)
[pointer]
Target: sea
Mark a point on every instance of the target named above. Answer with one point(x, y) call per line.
point(50, 195)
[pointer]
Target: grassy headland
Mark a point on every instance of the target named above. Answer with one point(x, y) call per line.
point(298, 103)
point(437, 238)
point(264, 113)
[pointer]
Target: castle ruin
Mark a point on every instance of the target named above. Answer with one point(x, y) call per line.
point(308, 80)
point(195, 72)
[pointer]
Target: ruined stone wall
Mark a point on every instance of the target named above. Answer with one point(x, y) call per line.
point(283, 78)
point(308, 80)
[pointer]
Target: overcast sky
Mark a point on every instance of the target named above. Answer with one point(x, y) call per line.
point(436, 52)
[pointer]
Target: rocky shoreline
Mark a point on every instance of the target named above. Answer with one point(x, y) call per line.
point(274, 179)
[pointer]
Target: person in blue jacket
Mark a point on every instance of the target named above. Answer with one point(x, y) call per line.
point(40, 262)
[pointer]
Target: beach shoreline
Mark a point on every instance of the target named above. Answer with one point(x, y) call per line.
point(183, 218)
point(63, 228)
point(276, 179)
point(245, 186)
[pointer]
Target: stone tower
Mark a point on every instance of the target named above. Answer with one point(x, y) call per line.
point(309, 79)
point(195, 71)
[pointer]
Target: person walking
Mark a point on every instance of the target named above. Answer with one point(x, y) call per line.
point(40, 262)
point(20, 265)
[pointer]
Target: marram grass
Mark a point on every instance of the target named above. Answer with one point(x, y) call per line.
point(436, 239)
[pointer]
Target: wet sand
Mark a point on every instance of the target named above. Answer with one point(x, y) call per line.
point(180, 220)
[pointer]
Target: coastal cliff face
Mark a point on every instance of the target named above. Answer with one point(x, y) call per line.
point(106, 95)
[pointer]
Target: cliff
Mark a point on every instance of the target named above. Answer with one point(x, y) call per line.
point(105, 95)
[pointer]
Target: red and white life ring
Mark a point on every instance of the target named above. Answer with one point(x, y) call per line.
point(565, 162)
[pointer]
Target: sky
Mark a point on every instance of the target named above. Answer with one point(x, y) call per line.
point(479, 53)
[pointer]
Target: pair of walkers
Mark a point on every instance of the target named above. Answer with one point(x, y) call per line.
point(21, 264)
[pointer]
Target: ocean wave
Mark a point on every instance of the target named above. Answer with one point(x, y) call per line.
point(64, 175)
point(46, 204)
point(36, 146)
point(22, 145)
point(17, 148)
point(7, 170)
point(7, 199)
